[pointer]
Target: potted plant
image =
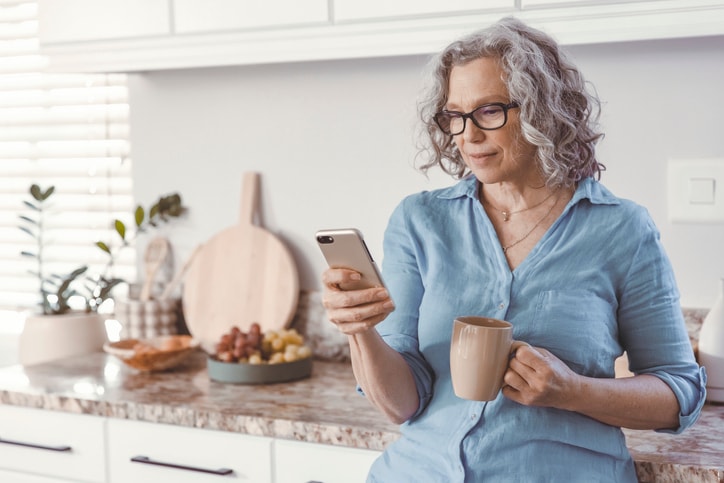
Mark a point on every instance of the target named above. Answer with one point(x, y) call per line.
point(58, 329)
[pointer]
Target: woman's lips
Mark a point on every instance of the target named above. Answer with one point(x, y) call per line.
point(480, 157)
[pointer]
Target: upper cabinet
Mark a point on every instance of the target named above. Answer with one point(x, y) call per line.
point(138, 35)
point(195, 16)
point(91, 20)
point(376, 9)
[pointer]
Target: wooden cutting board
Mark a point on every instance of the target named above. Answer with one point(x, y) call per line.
point(243, 274)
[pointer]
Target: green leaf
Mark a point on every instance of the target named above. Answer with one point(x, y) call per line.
point(139, 215)
point(36, 193)
point(48, 192)
point(78, 271)
point(30, 205)
point(28, 219)
point(28, 254)
point(155, 209)
point(28, 231)
point(103, 247)
point(120, 229)
point(110, 285)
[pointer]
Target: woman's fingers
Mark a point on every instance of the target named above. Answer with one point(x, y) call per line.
point(333, 278)
point(353, 311)
point(536, 377)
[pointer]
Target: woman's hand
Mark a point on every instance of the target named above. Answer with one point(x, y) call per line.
point(353, 311)
point(535, 377)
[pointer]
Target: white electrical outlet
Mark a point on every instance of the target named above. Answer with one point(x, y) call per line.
point(696, 190)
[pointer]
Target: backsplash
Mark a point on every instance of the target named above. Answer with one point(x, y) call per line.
point(328, 343)
point(322, 336)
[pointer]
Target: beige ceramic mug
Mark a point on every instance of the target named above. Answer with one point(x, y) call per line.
point(479, 353)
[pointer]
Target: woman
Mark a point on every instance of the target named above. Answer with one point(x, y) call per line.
point(528, 235)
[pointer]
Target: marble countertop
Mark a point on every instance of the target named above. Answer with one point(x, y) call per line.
point(322, 409)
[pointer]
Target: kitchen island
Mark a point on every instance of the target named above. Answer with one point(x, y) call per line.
point(322, 409)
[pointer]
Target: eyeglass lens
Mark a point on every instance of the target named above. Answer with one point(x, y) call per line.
point(488, 117)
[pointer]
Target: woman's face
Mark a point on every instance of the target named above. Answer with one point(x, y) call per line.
point(495, 156)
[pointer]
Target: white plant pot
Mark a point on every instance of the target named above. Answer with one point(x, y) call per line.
point(50, 337)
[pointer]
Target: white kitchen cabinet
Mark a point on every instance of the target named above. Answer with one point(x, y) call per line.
point(142, 452)
point(92, 20)
point(297, 462)
point(193, 16)
point(141, 35)
point(567, 3)
point(58, 446)
point(15, 477)
point(345, 10)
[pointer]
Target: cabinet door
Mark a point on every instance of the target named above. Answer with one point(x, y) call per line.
point(369, 9)
point(192, 16)
point(48, 443)
point(83, 20)
point(566, 3)
point(14, 477)
point(298, 462)
point(148, 452)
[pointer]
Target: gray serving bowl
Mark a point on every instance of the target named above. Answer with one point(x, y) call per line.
point(242, 373)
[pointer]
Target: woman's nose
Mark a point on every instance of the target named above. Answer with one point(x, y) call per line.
point(472, 133)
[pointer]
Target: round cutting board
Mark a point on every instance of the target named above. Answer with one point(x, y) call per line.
point(243, 274)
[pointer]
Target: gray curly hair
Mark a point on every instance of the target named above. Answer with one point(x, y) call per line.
point(558, 115)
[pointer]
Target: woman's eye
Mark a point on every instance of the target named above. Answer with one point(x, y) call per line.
point(490, 111)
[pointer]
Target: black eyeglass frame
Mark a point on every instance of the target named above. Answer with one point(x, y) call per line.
point(470, 115)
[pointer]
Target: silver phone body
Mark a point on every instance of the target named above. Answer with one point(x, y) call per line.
point(346, 248)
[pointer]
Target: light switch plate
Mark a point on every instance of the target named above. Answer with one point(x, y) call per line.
point(696, 190)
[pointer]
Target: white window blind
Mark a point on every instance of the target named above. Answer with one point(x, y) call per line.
point(65, 130)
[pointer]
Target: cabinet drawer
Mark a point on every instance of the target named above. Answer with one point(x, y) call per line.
point(149, 452)
point(62, 445)
point(298, 462)
point(15, 477)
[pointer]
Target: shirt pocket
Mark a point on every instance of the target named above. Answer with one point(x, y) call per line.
point(578, 327)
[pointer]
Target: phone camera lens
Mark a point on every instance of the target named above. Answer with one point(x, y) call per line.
point(325, 239)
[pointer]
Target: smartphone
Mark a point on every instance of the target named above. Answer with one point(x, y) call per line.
point(346, 248)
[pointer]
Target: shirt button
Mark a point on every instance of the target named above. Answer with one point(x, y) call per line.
point(501, 306)
point(473, 416)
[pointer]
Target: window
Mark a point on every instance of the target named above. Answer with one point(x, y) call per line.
point(65, 130)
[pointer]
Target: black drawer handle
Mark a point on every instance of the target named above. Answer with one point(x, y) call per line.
point(148, 461)
point(37, 446)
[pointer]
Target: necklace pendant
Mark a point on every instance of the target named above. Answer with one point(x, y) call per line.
point(506, 215)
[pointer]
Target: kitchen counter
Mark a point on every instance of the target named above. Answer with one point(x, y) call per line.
point(322, 409)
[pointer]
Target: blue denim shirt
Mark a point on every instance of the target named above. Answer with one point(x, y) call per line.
point(596, 284)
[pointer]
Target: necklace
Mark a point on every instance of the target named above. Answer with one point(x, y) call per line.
point(508, 214)
point(505, 248)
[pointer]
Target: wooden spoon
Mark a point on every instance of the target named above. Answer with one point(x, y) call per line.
point(178, 277)
point(156, 253)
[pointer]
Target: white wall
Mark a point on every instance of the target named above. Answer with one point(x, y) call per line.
point(334, 143)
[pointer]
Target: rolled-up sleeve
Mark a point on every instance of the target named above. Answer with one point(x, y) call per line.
point(400, 270)
point(653, 331)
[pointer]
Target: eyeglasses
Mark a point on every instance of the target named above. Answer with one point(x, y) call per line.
point(488, 117)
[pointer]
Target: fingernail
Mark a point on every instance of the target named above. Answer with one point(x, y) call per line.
point(356, 276)
point(381, 294)
point(389, 304)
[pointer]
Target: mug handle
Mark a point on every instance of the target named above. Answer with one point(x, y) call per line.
point(515, 345)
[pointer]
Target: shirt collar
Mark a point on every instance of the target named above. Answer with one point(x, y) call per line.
point(588, 188)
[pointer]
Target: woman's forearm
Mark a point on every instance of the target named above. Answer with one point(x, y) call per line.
point(639, 402)
point(383, 375)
